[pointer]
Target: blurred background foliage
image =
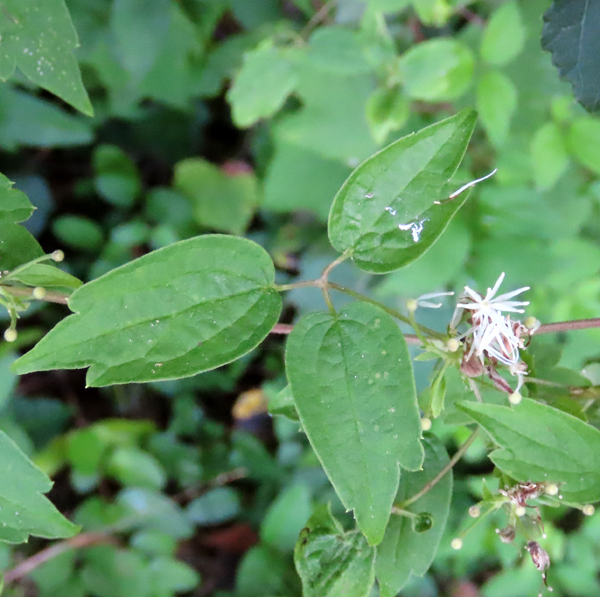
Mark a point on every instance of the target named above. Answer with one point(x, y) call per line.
point(245, 117)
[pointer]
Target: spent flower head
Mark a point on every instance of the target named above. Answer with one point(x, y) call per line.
point(492, 333)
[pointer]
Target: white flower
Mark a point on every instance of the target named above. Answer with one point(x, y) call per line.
point(492, 333)
point(423, 300)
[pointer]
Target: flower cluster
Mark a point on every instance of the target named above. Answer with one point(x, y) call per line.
point(492, 334)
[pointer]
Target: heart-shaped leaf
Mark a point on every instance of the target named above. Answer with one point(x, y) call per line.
point(181, 310)
point(386, 213)
point(352, 382)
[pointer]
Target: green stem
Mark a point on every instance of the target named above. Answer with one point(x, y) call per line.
point(429, 486)
point(388, 310)
point(303, 284)
point(11, 274)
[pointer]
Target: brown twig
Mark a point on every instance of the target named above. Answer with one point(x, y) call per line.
point(51, 296)
point(219, 481)
point(428, 486)
point(566, 326)
point(49, 553)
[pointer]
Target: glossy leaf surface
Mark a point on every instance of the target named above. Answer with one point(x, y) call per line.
point(572, 34)
point(352, 381)
point(39, 39)
point(24, 510)
point(539, 443)
point(331, 562)
point(403, 552)
point(187, 308)
point(385, 213)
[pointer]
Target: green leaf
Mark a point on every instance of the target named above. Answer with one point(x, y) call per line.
point(170, 576)
point(301, 179)
point(222, 201)
point(153, 511)
point(583, 144)
point(337, 50)
point(24, 510)
point(262, 572)
point(437, 70)
point(385, 213)
point(214, 507)
point(542, 444)
point(404, 553)
point(286, 517)
point(331, 562)
point(78, 232)
point(178, 311)
point(47, 276)
point(282, 403)
point(134, 467)
point(504, 36)
point(572, 34)
point(548, 155)
point(387, 110)
point(39, 39)
point(496, 104)
point(140, 29)
point(262, 85)
point(17, 245)
point(117, 178)
point(28, 120)
point(357, 404)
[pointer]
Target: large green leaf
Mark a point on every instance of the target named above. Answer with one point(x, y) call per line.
point(539, 443)
point(39, 39)
point(17, 245)
point(572, 34)
point(332, 562)
point(178, 311)
point(404, 552)
point(386, 212)
point(352, 380)
point(24, 510)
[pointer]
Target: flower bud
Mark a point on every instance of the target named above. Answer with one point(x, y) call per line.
point(515, 398)
point(457, 543)
point(474, 511)
point(551, 489)
point(39, 293)
point(452, 345)
point(426, 424)
point(588, 509)
point(520, 511)
point(10, 335)
point(411, 305)
point(57, 256)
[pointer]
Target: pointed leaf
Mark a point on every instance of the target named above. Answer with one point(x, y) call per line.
point(385, 213)
point(572, 34)
point(39, 39)
point(539, 443)
point(17, 244)
point(24, 510)
point(181, 310)
point(403, 552)
point(331, 562)
point(48, 276)
point(352, 382)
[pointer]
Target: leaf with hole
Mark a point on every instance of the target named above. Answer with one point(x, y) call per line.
point(352, 381)
point(333, 562)
point(178, 311)
point(393, 207)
